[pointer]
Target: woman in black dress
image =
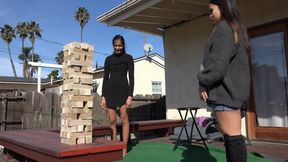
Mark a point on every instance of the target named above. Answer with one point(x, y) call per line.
point(117, 92)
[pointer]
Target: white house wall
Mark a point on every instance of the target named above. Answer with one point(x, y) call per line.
point(184, 44)
point(144, 73)
point(98, 78)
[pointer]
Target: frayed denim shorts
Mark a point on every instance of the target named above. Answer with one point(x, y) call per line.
point(221, 107)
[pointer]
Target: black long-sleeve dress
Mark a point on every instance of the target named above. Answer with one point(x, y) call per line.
point(116, 87)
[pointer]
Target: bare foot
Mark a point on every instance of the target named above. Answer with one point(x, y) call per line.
point(124, 152)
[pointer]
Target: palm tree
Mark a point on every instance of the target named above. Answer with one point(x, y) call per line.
point(36, 58)
point(60, 58)
point(34, 31)
point(97, 65)
point(25, 57)
point(22, 31)
point(82, 16)
point(7, 34)
point(54, 74)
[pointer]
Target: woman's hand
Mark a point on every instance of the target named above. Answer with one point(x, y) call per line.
point(103, 103)
point(129, 102)
point(203, 93)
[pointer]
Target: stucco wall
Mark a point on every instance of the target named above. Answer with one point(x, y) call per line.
point(183, 56)
point(183, 45)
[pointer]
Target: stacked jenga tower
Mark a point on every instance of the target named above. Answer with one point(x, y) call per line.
point(77, 101)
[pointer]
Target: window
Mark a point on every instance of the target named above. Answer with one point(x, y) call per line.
point(156, 87)
point(269, 75)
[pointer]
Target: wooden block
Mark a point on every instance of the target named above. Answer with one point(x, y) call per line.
point(80, 140)
point(76, 56)
point(78, 51)
point(85, 92)
point(66, 110)
point(65, 97)
point(77, 68)
point(90, 54)
point(69, 134)
point(77, 104)
point(65, 76)
point(72, 45)
point(67, 87)
point(75, 135)
point(86, 69)
point(79, 135)
point(86, 75)
point(86, 116)
point(76, 92)
point(79, 63)
point(77, 110)
point(68, 141)
point(80, 128)
point(88, 128)
point(81, 98)
point(80, 110)
point(64, 121)
point(71, 122)
point(71, 73)
point(86, 81)
point(74, 128)
point(88, 139)
point(89, 104)
point(69, 116)
point(71, 86)
point(89, 58)
point(73, 56)
point(87, 46)
point(64, 104)
point(63, 134)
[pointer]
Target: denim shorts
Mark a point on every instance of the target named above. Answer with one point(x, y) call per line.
point(220, 107)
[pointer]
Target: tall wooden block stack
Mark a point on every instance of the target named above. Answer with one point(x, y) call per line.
point(77, 101)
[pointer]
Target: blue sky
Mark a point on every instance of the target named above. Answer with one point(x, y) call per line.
point(56, 19)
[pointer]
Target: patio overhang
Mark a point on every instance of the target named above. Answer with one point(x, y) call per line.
point(154, 16)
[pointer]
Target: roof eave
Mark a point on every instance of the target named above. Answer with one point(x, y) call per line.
point(127, 9)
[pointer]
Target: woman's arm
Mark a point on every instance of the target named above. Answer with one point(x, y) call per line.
point(131, 75)
point(106, 77)
point(131, 81)
point(221, 52)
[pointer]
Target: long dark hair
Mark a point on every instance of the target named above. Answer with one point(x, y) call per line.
point(230, 13)
point(119, 37)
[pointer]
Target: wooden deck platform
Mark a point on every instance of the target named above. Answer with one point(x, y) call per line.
point(44, 144)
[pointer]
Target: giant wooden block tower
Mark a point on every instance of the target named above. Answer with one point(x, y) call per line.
point(77, 101)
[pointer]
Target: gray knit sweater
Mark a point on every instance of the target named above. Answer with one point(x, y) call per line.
point(226, 74)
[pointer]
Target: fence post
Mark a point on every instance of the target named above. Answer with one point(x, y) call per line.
point(5, 113)
point(52, 111)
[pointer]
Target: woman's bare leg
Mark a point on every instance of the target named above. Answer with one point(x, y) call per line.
point(230, 125)
point(229, 122)
point(112, 123)
point(125, 126)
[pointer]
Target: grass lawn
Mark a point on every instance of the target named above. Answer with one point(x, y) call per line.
point(163, 152)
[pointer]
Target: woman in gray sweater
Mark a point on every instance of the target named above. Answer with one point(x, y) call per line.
point(224, 79)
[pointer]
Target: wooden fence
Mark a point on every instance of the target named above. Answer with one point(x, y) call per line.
point(34, 110)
